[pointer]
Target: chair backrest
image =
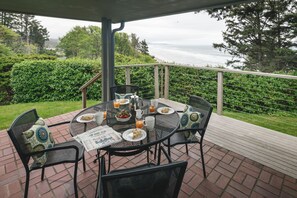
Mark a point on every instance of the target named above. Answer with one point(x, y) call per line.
point(155, 181)
point(122, 89)
point(203, 107)
point(22, 123)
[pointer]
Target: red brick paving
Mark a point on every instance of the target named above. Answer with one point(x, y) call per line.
point(229, 174)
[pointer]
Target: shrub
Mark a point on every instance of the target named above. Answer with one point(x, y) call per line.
point(6, 63)
point(53, 80)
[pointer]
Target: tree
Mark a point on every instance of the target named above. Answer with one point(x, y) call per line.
point(135, 42)
point(83, 42)
point(123, 44)
point(144, 47)
point(30, 30)
point(260, 35)
point(37, 34)
point(8, 41)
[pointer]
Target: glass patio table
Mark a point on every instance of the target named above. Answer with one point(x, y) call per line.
point(165, 125)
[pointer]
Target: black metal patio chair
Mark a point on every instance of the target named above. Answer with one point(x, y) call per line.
point(67, 152)
point(145, 181)
point(123, 89)
point(179, 137)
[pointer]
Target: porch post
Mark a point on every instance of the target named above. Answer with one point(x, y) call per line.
point(220, 94)
point(107, 59)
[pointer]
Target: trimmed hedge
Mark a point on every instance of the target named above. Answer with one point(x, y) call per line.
point(35, 81)
point(242, 93)
point(6, 63)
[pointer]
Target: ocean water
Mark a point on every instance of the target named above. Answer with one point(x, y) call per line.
point(197, 55)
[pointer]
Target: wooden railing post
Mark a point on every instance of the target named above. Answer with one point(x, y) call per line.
point(84, 98)
point(166, 83)
point(220, 94)
point(156, 76)
point(84, 88)
point(128, 75)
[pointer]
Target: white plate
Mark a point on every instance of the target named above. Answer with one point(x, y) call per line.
point(79, 118)
point(127, 135)
point(159, 110)
point(124, 101)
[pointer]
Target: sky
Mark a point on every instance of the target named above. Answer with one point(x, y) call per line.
point(187, 29)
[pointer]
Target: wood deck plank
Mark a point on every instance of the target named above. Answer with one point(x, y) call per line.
point(271, 148)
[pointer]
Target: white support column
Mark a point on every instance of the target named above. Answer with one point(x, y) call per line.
point(156, 75)
point(166, 83)
point(220, 94)
point(128, 75)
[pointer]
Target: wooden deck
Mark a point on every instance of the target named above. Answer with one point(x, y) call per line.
point(270, 148)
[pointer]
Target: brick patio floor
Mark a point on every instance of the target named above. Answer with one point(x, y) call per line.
point(229, 174)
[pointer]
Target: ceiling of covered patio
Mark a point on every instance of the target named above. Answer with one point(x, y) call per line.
point(116, 10)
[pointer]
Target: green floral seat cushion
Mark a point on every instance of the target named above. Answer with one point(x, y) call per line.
point(38, 138)
point(189, 119)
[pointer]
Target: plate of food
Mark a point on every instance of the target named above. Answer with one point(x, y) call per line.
point(165, 110)
point(123, 116)
point(124, 101)
point(134, 135)
point(89, 117)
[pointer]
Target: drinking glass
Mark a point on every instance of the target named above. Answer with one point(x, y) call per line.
point(116, 104)
point(99, 117)
point(149, 122)
point(139, 123)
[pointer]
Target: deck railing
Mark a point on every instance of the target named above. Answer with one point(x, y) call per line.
point(162, 80)
point(219, 86)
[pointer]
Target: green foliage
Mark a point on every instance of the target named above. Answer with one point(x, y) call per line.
point(85, 42)
point(82, 42)
point(260, 35)
point(53, 80)
point(6, 63)
point(29, 29)
point(242, 93)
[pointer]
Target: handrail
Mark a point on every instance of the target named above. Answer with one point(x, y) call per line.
point(216, 69)
point(91, 81)
point(83, 89)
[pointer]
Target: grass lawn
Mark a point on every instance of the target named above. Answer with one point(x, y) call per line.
point(284, 124)
point(44, 110)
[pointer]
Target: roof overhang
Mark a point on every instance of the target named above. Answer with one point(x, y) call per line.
point(116, 10)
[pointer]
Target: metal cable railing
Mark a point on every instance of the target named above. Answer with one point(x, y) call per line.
point(248, 94)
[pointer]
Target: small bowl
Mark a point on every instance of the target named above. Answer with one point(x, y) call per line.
point(123, 119)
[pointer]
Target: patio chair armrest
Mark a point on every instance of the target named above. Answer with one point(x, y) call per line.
point(60, 123)
point(183, 130)
point(161, 148)
point(56, 148)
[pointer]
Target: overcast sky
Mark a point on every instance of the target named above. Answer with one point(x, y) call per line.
point(183, 29)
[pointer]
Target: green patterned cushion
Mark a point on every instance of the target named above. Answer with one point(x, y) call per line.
point(123, 96)
point(38, 138)
point(190, 119)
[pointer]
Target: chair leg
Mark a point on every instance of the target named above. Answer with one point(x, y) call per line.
point(187, 150)
point(168, 147)
point(202, 160)
point(84, 162)
point(75, 180)
point(148, 155)
point(155, 154)
point(109, 161)
point(27, 184)
point(42, 173)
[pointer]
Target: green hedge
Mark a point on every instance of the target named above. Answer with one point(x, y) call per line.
point(242, 93)
point(6, 63)
point(35, 81)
